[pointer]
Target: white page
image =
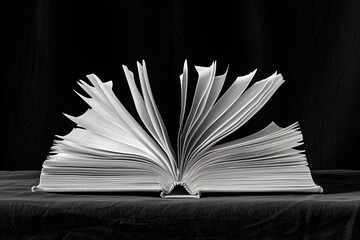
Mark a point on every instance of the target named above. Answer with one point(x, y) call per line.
point(183, 93)
point(140, 104)
point(155, 116)
point(223, 104)
point(262, 148)
point(213, 95)
point(203, 86)
point(112, 105)
point(212, 133)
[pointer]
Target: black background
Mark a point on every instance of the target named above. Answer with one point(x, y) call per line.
point(47, 46)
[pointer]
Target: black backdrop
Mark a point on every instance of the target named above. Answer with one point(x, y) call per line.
point(48, 45)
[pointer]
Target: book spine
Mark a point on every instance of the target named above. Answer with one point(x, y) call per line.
point(167, 193)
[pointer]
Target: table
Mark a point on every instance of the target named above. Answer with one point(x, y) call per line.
point(334, 214)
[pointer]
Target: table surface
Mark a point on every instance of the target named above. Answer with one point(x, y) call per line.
point(334, 214)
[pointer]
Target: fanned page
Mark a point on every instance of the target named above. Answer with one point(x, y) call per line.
point(110, 151)
point(263, 162)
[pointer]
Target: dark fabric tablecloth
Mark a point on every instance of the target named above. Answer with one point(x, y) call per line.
point(333, 214)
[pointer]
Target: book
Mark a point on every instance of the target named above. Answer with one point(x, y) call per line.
point(110, 151)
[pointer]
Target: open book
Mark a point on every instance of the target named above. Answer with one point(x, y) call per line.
point(110, 151)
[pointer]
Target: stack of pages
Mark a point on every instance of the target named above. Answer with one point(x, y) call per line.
point(110, 151)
